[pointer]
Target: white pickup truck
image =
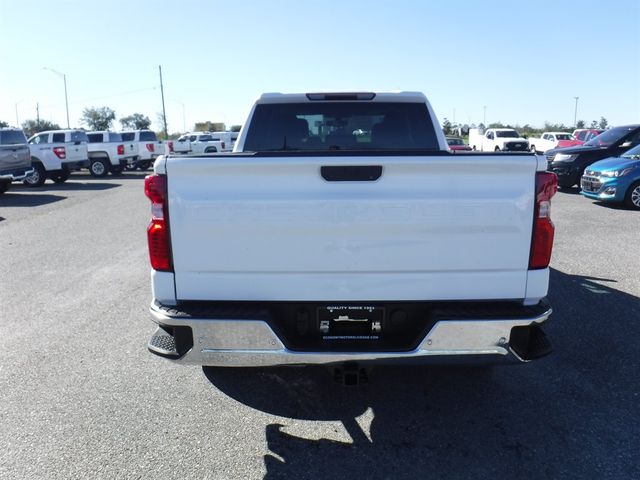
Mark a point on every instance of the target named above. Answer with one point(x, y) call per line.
point(312, 245)
point(108, 153)
point(547, 141)
point(145, 145)
point(198, 142)
point(55, 154)
point(497, 140)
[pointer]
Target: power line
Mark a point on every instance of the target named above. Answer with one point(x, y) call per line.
point(106, 97)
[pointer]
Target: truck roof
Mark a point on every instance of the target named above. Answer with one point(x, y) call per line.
point(409, 97)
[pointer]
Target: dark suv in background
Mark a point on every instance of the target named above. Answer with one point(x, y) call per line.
point(569, 163)
point(15, 159)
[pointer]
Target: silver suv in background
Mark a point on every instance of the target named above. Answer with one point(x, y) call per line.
point(55, 153)
point(15, 160)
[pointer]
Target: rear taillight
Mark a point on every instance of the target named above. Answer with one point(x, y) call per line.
point(170, 146)
point(543, 229)
point(120, 149)
point(155, 188)
point(60, 152)
point(150, 147)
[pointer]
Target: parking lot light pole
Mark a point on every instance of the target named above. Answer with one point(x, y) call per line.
point(575, 113)
point(66, 99)
point(17, 119)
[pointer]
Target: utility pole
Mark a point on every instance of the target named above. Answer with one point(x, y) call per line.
point(164, 113)
point(484, 121)
point(575, 113)
point(38, 115)
point(66, 98)
point(17, 121)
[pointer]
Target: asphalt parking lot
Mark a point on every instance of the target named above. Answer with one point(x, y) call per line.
point(80, 397)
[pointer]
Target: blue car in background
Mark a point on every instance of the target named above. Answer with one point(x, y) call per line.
point(615, 179)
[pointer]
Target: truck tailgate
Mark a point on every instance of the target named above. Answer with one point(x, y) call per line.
point(438, 227)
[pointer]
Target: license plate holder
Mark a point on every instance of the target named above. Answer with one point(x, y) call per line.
point(350, 322)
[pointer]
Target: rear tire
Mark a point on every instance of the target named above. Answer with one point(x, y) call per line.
point(497, 149)
point(144, 165)
point(117, 170)
point(37, 178)
point(533, 149)
point(632, 198)
point(99, 167)
point(61, 177)
point(210, 150)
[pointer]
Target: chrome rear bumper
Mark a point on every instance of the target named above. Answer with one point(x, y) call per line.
point(15, 176)
point(247, 343)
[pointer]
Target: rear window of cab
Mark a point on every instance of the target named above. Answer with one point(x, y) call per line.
point(344, 125)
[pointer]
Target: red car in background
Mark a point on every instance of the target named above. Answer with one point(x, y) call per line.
point(580, 136)
point(457, 144)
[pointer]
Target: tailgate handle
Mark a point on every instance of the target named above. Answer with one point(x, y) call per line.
point(351, 173)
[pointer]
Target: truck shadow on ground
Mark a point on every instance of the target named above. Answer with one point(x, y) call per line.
point(68, 186)
point(569, 415)
point(12, 199)
point(127, 175)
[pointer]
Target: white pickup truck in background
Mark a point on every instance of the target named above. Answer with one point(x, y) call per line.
point(547, 141)
point(198, 142)
point(145, 146)
point(311, 244)
point(108, 153)
point(55, 154)
point(497, 140)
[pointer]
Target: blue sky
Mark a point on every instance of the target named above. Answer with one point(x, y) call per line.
point(524, 61)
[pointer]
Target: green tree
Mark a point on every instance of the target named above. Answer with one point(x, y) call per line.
point(136, 121)
point(3, 124)
point(31, 127)
point(446, 126)
point(594, 124)
point(603, 124)
point(554, 127)
point(98, 118)
point(236, 128)
point(581, 124)
point(498, 125)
